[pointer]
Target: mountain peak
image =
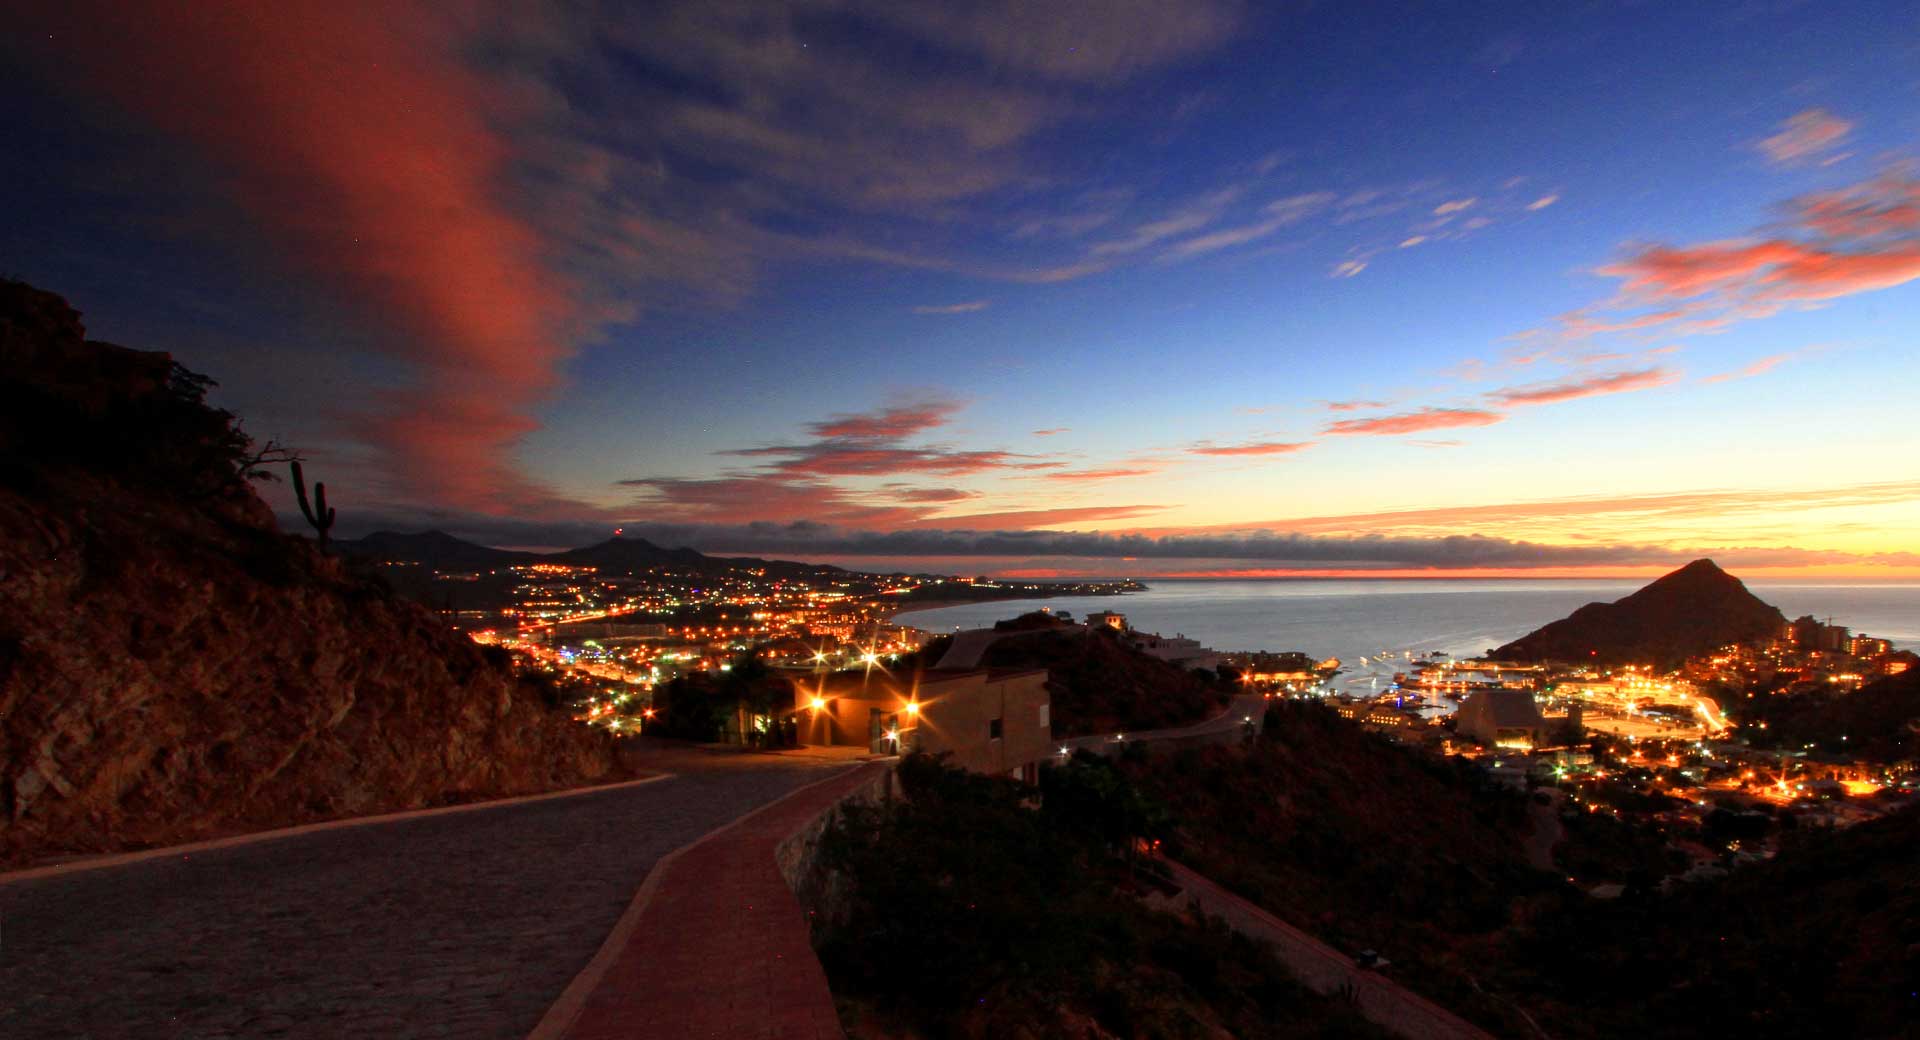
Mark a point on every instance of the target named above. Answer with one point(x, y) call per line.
point(1693, 610)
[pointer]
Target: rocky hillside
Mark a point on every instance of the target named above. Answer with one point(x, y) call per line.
point(173, 667)
point(1694, 610)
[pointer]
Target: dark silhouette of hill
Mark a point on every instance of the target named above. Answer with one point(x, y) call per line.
point(1818, 941)
point(1694, 610)
point(173, 667)
point(1879, 722)
point(1362, 842)
point(1099, 684)
point(435, 549)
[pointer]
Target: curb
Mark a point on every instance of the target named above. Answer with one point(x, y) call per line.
point(566, 1008)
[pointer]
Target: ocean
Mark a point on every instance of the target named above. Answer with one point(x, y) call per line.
point(1386, 621)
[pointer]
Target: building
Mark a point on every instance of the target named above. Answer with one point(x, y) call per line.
point(1110, 619)
point(1868, 646)
point(1808, 633)
point(1502, 718)
point(995, 722)
point(1179, 650)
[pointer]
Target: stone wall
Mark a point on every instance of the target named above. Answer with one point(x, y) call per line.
point(822, 893)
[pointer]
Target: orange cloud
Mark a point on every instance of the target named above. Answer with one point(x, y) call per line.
point(1760, 367)
point(362, 147)
point(1115, 473)
point(1678, 505)
point(1260, 448)
point(1593, 386)
point(1030, 518)
point(1858, 239)
point(1354, 406)
point(749, 498)
point(1415, 422)
point(890, 423)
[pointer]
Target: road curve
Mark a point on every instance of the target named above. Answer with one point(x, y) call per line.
point(465, 925)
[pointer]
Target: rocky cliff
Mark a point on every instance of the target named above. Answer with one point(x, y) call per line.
point(1694, 610)
point(173, 667)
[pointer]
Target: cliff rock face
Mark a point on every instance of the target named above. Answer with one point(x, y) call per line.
point(172, 667)
point(1694, 610)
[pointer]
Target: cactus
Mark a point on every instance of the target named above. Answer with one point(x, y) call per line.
point(319, 514)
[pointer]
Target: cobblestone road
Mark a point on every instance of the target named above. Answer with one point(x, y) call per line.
point(465, 925)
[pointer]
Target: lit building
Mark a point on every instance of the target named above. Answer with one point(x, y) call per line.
point(1110, 619)
point(995, 722)
point(1502, 718)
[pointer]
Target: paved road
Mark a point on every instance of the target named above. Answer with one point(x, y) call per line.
point(465, 925)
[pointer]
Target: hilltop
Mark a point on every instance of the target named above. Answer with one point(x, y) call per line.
point(173, 666)
point(1099, 684)
point(1694, 610)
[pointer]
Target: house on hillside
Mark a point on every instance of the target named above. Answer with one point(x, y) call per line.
point(1109, 619)
point(997, 722)
point(1502, 718)
point(1176, 650)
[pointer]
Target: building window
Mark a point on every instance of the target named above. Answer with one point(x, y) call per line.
point(1046, 716)
point(993, 729)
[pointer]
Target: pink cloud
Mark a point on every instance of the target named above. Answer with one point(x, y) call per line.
point(362, 148)
point(833, 458)
point(1592, 386)
point(1113, 473)
point(1760, 367)
point(769, 497)
point(1834, 244)
point(913, 494)
point(1258, 448)
point(1050, 432)
point(892, 423)
point(1029, 518)
point(1805, 136)
point(1354, 406)
point(1415, 422)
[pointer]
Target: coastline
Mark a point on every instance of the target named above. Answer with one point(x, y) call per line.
point(942, 604)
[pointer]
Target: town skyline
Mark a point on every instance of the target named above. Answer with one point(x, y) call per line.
point(1220, 291)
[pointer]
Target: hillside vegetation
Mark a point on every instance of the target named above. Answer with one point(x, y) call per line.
point(1366, 844)
point(1099, 684)
point(970, 911)
point(172, 666)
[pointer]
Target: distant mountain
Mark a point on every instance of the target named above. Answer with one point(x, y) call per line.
point(443, 551)
point(1694, 610)
point(627, 554)
point(435, 549)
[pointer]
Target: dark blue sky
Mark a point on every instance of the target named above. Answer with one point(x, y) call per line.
point(1532, 272)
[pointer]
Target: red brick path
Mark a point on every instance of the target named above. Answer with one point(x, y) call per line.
point(721, 948)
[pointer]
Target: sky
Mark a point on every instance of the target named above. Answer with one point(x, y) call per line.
point(1029, 289)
